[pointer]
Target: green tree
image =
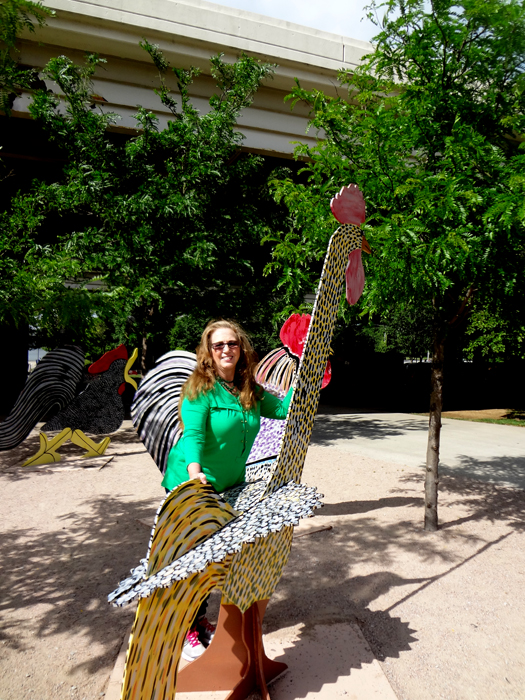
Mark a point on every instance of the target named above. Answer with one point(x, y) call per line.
point(431, 132)
point(15, 16)
point(170, 221)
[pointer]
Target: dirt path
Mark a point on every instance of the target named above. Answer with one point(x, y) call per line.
point(443, 612)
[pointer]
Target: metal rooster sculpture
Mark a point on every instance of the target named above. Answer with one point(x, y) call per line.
point(99, 408)
point(238, 541)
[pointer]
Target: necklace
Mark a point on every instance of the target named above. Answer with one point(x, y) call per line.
point(229, 386)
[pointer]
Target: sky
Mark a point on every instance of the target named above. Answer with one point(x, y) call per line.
point(341, 17)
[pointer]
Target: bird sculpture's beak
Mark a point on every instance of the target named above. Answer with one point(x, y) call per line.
point(365, 246)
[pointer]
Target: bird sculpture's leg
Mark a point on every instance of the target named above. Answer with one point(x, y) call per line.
point(260, 657)
point(235, 660)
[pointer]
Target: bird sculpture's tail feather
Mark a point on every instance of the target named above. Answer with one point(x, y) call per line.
point(51, 385)
point(155, 408)
point(276, 371)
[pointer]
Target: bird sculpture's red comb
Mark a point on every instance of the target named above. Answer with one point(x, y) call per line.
point(348, 206)
point(103, 363)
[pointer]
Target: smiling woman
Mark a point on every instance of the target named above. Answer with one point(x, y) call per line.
point(220, 411)
point(225, 352)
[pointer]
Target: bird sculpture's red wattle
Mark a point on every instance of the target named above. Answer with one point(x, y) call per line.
point(348, 207)
point(355, 277)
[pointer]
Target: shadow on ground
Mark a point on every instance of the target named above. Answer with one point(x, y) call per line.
point(319, 588)
point(123, 442)
point(71, 572)
point(485, 501)
point(355, 507)
point(508, 471)
point(328, 428)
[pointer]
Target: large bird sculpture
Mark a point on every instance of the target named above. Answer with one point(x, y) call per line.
point(99, 408)
point(52, 387)
point(238, 541)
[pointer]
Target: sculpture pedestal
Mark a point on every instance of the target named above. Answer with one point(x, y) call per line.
point(235, 660)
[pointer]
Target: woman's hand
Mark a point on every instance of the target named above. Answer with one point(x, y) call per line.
point(194, 472)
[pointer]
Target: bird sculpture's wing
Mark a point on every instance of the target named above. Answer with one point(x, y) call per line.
point(242, 555)
point(259, 519)
point(50, 386)
point(155, 409)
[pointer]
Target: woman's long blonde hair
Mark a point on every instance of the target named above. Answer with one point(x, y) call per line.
point(205, 375)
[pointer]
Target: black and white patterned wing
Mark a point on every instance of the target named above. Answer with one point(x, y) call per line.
point(50, 387)
point(155, 407)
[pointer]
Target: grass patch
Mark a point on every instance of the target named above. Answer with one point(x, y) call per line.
point(511, 417)
point(498, 421)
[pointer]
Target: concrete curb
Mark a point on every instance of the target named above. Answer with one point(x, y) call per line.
point(115, 679)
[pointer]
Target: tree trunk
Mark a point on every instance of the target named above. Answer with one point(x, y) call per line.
point(144, 352)
point(434, 433)
point(148, 313)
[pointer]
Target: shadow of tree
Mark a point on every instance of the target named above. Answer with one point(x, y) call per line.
point(70, 572)
point(318, 587)
point(328, 428)
point(486, 501)
point(508, 470)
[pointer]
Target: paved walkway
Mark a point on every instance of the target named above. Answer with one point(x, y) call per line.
point(488, 452)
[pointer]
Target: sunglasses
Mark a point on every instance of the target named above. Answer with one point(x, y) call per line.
point(230, 343)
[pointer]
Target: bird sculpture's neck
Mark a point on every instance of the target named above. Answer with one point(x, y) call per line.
point(301, 413)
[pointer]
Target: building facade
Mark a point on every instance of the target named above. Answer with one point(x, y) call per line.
point(189, 32)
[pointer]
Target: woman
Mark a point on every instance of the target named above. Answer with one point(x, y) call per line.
point(220, 412)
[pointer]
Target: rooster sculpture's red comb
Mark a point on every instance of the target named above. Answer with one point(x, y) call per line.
point(348, 206)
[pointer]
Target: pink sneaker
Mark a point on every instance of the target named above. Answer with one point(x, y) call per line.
point(205, 630)
point(192, 648)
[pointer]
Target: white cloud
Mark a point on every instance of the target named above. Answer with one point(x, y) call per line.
point(343, 17)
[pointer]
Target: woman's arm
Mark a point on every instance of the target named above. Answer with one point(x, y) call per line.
point(272, 407)
point(194, 472)
point(194, 416)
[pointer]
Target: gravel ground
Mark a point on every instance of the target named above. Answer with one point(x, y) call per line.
point(443, 612)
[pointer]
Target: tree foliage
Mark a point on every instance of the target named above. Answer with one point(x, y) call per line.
point(432, 132)
point(169, 221)
point(15, 16)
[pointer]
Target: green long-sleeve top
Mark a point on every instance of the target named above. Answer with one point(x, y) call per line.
point(219, 434)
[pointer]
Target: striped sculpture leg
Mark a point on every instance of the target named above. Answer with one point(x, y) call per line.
point(158, 633)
